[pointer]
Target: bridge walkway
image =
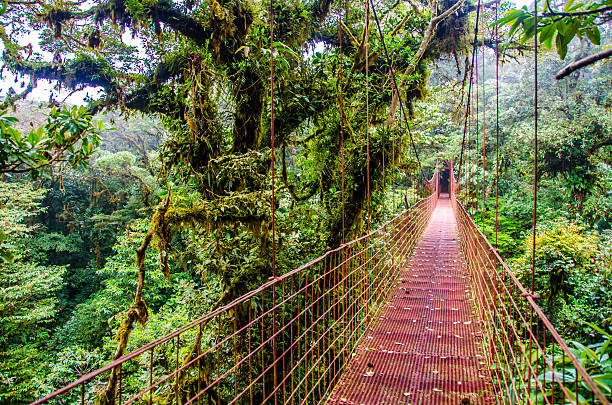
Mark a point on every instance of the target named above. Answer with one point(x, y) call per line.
point(427, 345)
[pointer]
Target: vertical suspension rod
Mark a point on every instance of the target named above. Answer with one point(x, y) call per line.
point(399, 95)
point(484, 138)
point(367, 77)
point(496, 124)
point(275, 378)
point(535, 143)
point(476, 143)
point(341, 105)
point(535, 175)
point(467, 110)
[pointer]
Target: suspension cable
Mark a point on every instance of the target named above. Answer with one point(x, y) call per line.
point(484, 138)
point(473, 139)
point(272, 133)
point(469, 148)
point(384, 182)
point(275, 377)
point(340, 104)
point(496, 123)
point(367, 74)
point(535, 141)
point(535, 178)
point(465, 123)
point(467, 110)
point(406, 176)
point(399, 95)
point(477, 143)
point(393, 167)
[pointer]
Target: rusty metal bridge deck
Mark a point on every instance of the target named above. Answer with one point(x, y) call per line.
point(427, 345)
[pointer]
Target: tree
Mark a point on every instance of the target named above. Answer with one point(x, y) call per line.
point(581, 19)
point(29, 299)
point(574, 155)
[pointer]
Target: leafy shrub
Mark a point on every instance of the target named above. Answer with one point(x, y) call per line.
point(571, 276)
point(594, 358)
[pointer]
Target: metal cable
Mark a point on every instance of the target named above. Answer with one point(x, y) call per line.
point(535, 140)
point(393, 168)
point(274, 347)
point(467, 110)
point(477, 142)
point(367, 77)
point(272, 133)
point(468, 152)
point(535, 176)
point(484, 139)
point(399, 95)
point(341, 120)
point(496, 124)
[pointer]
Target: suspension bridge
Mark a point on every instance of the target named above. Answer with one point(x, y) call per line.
point(421, 310)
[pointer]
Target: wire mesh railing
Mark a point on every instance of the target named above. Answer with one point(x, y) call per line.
point(527, 356)
point(285, 342)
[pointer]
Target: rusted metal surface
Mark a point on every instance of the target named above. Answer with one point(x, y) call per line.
point(426, 347)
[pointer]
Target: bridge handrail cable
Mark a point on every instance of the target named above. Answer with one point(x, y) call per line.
point(488, 276)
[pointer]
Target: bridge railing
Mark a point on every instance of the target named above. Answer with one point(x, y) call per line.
point(527, 356)
point(285, 342)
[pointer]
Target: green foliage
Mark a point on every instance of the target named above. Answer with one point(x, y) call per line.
point(574, 284)
point(18, 202)
point(597, 208)
point(28, 292)
point(207, 74)
point(559, 27)
point(51, 317)
point(71, 363)
point(594, 358)
point(575, 155)
point(561, 246)
point(54, 248)
point(186, 301)
point(68, 137)
point(23, 367)
point(120, 274)
point(510, 229)
point(27, 288)
point(6, 256)
point(86, 326)
point(28, 298)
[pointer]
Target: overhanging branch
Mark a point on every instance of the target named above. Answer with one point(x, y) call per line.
point(580, 63)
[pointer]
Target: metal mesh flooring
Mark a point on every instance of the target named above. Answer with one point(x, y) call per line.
point(426, 347)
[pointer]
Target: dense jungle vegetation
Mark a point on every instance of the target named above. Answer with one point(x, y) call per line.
point(165, 172)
